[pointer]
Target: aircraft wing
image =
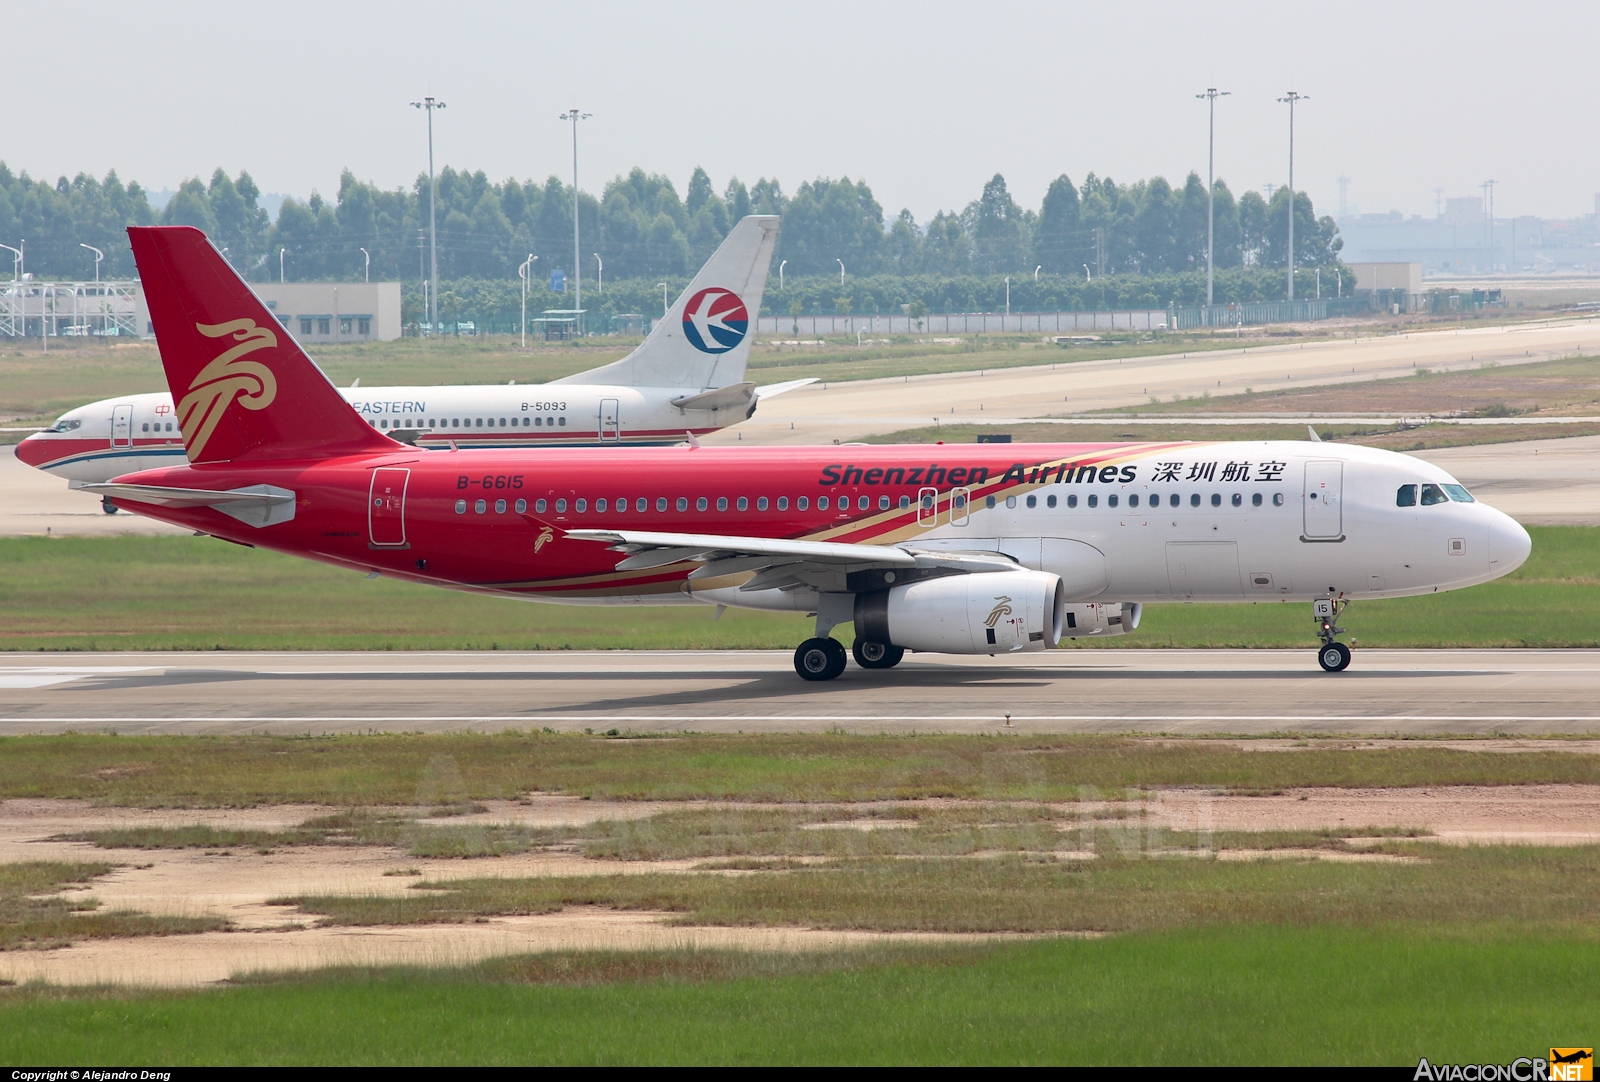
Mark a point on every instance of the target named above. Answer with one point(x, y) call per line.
point(772, 390)
point(256, 505)
point(782, 563)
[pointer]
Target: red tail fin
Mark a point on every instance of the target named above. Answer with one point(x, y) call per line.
point(242, 385)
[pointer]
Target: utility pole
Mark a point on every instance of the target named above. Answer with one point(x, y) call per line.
point(1211, 95)
point(577, 266)
point(525, 272)
point(430, 104)
point(1292, 97)
point(366, 267)
point(1438, 202)
point(1488, 208)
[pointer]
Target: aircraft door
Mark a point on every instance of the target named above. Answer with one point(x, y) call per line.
point(1324, 511)
point(610, 420)
point(122, 426)
point(386, 508)
point(960, 499)
point(927, 507)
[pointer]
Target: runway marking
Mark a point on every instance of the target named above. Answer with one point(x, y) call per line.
point(602, 718)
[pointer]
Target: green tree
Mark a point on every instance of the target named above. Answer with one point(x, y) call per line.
point(1058, 241)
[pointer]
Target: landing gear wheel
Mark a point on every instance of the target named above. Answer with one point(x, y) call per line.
point(819, 659)
point(107, 506)
point(877, 655)
point(1334, 657)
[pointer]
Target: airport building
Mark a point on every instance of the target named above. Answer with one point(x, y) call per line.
point(314, 312)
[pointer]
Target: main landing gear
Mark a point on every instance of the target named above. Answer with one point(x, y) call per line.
point(1332, 655)
point(819, 659)
point(877, 655)
point(107, 506)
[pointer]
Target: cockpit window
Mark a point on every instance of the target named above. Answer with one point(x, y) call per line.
point(1406, 496)
point(64, 425)
point(1459, 494)
point(1432, 494)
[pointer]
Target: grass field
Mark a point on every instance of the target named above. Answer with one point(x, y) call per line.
point(443, 769)
point(1274, 995)
point(183, 593)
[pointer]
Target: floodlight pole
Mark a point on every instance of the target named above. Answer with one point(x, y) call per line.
point(600, 276)
point(577, 267)
point(430, 104)
point(367, 269)
point(1291, 98)
point(1036, 271)
point(280, 264)
point(525, 272)
point(841, 269)
point(98, 256)
point(781, 265)
point(1211, 95)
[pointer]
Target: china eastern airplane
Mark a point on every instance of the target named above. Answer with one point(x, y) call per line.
point(959, 549)
point(686, 377)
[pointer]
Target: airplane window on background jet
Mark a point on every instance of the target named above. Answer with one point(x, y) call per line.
point(522, 506)
point(561, 506)
point(1433, 494)
point(661, 503)
point(1033, 501)
point(499, 507)
point(744, 504)
point(802, 503)
point(1111, 500)
point(700, 504)
point(822, 503)
point(883, 503)
point(1072, 501)
point(783, 503)
point(1216, 499)
point(480, 422)
point(502, 422)
point(1459, 494)
point(481, 506)
point(683, 503)
point(1238, 500)
point(1049, 501)
point(1094, 501)
point(146, 427)
point(562, 422)
point(761, 503)
point(455, 422)
point(461, 507)
point(1255, 499)
point(581, 506)
point(599, 505)
point(539, 421)
point(1194, 500)
point(540, 505)
point(1277, 499)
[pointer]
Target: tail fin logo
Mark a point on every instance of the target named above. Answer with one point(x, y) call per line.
point(715, 320)
point(227, 378)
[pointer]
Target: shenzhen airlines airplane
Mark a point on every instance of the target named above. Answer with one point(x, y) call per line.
point(960, 549)
point(687, 377)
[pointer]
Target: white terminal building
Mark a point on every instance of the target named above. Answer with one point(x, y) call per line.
point(314, 312)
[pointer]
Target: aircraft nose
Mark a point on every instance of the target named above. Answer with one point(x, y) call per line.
point(1509, 544)
point(34, 451)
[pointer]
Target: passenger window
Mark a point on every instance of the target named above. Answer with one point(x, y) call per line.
point(540, 505)
point(499, 507)
point(1255, 499)
point(1072, 500)
point(1459, 494)
point(1133, 500)
point(481, 506)
point(1277, 499)
point(1238, 500)
point(622, 505)
point(700, 504)
point(1011, 501)
point(562, 422)
point(722, 503)
point(1194, 500)
point(1111, 500)
point(905, 502)
point(661, 503)
point(561, 506)
point(683, 503)
point(1049, 501)
point(802, 503)
point(461, 507)
point(1094, 501)
point(1216, 499)
point(1432, 494)
point(599, 505)
point(522, 506)
point(988, 501)
point(538, 422)
point(783, 503)
point(1406, 496)
point(883, 503)
point(744, 504)
point(146, 427)
point(1033, 501)
point(582, 505)
point(761, 503)
point(480, 423)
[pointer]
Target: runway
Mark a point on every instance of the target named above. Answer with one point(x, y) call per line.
point(1176, 691)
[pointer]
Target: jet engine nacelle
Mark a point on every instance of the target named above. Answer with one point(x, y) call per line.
point(992, 613)
point(1101, 619)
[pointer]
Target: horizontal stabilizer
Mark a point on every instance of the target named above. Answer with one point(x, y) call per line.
point(255, 505)
point(735, 396)
point(773, 390)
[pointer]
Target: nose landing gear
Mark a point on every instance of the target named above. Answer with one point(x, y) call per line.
point(1333, 656)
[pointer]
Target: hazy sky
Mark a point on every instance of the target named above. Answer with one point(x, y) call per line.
point(925, 101)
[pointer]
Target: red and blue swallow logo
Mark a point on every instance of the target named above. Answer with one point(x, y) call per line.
point(715, 320)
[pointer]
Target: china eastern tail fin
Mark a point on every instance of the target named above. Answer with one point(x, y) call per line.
point(703, 341)
point(241, 384)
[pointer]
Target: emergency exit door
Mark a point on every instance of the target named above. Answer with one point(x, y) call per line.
point(386, 508)
point(610, 420)
point(1324, 498)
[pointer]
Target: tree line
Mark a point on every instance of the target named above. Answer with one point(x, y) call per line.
point(642, 229)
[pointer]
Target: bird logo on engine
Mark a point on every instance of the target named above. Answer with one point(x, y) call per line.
point(1002, 608)
point(715, 320)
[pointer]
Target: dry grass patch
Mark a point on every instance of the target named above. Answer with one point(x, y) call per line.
point(35, 913)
